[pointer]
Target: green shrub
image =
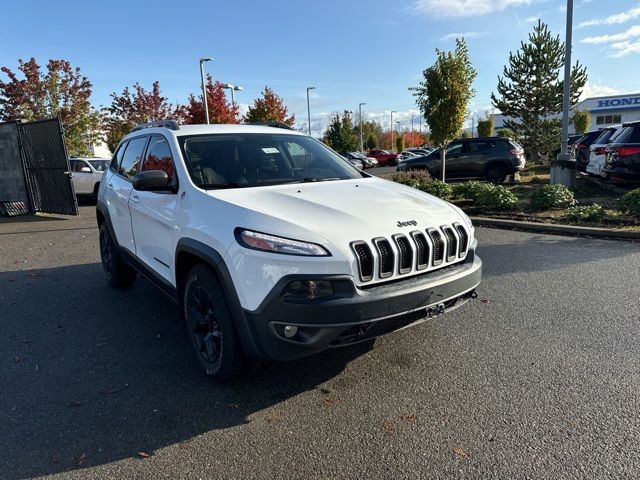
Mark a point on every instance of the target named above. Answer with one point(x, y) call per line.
point(437, 188)
point(412, 178)
point(470, 190)
point(630, 202)
point(496, 197)
point(551, 196)
point(585, 212)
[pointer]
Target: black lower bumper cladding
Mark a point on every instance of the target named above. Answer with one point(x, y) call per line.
point(355, 314)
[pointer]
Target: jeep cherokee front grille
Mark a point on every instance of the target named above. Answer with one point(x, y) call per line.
point(418, 251)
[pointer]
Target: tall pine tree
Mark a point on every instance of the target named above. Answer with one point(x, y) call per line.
point(340, 134)
point(530, 93)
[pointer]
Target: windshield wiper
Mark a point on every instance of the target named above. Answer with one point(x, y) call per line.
point(213, 186)
point(313, 179)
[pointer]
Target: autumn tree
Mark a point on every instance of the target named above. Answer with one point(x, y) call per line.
point(443, 95)
point(414, 139)
point(269, 108)
point(340, 134)
point(61, 90)
point(135, 106)
point(530, 91)
point(220, 110)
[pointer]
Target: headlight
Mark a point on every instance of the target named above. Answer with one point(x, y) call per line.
point(271, 243)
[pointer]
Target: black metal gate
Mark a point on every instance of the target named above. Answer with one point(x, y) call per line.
point(46, 167)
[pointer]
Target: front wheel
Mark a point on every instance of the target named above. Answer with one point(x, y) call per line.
point(118, 273)
point(210, 326)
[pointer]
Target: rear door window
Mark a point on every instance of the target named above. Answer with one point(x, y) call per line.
point(159, 157)
point(117, 158)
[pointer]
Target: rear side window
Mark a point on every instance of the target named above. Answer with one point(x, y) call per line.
point(482, 146)
point(604, 137)
point(159, 157)
point(630, 134)
point(132, 157)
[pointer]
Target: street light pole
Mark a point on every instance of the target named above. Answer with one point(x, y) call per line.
point(360, 116)
point(563, 170)
point(204, 89)
point(392, 112)
point(309, 108)
point(233, 88)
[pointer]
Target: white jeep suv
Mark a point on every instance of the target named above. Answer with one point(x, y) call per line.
point(258, 233)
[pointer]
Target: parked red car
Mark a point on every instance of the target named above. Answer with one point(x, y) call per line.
point(384, 157)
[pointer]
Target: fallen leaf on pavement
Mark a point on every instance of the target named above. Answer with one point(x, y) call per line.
point(330, 402)
point(460, 452)
point(143, 454)
point(408, 418)
point(18, 359)
point(109, 391)
point(74, 404)
point(183, 446)
point(81, 459)
point(485, 300)
point(388, 426)
point(233, 405)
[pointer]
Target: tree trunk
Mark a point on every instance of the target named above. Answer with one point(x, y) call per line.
point(443, 154)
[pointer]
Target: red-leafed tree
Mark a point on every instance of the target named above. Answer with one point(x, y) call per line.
point(136, 106)
point(269, 108)
point(220, 111)
point(413, 139)
point(61, 90)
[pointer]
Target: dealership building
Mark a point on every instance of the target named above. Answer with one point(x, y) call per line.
point(604, 111)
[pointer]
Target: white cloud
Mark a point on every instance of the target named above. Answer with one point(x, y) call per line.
point(597, 90)
point(622, 49)
point(464, 8)
point(617, 37)
point(453, 36)
point(532, 19)
point(614, 19)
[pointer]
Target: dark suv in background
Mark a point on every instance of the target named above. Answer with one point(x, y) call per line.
point(623, 154)
point(492, 158)
point(581, 149)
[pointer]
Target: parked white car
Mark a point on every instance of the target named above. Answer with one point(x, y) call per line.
point(597, 154)
point(257, 232)
point(86, 174)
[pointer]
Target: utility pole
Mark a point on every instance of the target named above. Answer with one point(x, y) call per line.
point(204, 89)
point(309, 108)
point(392, 112)
point(563, 170)
point(360, 117)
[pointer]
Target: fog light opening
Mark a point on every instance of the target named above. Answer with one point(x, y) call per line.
point(290, 331)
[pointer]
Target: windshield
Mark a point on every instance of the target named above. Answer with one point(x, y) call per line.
point(100, 165)
point(260, 159)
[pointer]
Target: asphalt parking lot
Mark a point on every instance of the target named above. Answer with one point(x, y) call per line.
point(537, 378)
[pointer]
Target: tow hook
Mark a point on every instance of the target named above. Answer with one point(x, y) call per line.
point(471, 294)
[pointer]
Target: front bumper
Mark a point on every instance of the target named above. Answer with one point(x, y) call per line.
point(353, 314)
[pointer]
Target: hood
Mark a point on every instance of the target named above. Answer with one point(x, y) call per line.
point(345, 210)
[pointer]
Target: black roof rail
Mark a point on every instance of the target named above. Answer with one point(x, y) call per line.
point(271, 124)
point(170, 124)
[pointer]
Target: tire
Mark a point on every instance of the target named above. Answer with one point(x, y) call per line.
point(118, 273)
point(95, 192)
point(495, 173)
point(210, 327)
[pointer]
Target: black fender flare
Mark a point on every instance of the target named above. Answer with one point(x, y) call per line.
point(214, 260)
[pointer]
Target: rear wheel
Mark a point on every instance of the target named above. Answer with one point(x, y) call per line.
point(118, 273)
point(496, 173)
point(210, 326)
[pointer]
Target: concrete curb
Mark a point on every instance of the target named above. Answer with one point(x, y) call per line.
point(568, 230)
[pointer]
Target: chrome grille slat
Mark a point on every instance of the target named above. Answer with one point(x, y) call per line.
point(405, 254)
point(452, 242)
point(422, 250)
point(387, 257)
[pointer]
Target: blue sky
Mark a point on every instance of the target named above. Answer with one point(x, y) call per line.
point(351, 51)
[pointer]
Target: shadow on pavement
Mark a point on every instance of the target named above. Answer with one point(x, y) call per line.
point(92, 375)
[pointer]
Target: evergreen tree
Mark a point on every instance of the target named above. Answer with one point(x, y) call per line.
point(443, 95)
point(269, 108)
point(371, 142)
point(369, 129)
point(340, 134)
point(530, 93)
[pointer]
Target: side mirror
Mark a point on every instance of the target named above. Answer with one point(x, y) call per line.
point(85, 170)
point(152, 181)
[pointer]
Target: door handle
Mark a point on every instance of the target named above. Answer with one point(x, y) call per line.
point(135, 198)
